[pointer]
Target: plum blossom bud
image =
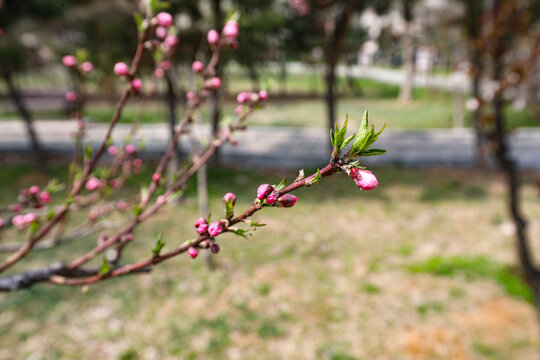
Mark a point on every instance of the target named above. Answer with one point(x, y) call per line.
point(71, 96)
point(364, 179)
point(201, 226)
point(156, 177)
point(216, 228)
point(45, 197)
point(229, 197)
point(215, 83)
point(212, 37)
point(87, 67)
point(193, 252)
point(197, 67)
point(264, 190)
point(161, 32)
point(131, 149)
point(200, 221)
point(271, 198)
point(121, 69)
point(164, 19)
point(263, 95)
point(136, 85)
point(171, 40)
point(231, 29)
point(33, 190)
point(121, 205)
point(190, 95)
point(137, 163)
point(159, 73)
point(93, 183)
point(239, 110)
point(29, 218)
point(69, 60)
point(214, 248)
point(242, 97)
point(287, 200)
point(113, 150)
point(18, 221)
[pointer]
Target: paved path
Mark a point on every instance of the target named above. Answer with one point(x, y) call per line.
point(289, 147)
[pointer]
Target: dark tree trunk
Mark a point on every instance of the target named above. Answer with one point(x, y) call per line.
point(39, 154)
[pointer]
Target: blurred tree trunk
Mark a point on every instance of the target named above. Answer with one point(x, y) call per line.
point(405, 94)
point(336, 31)
point(215, 105)
point(38, 153)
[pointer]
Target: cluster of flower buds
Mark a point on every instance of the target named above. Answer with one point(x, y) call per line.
point(267, 193)
point(244, 98)
point(21, 222)
point(364, 179)
point(70, 61)
point(34, 197)
point(230, 33)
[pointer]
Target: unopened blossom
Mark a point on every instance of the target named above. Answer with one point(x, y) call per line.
point(197, 67)
point(113, 150)
point(214, 248)
point(156, 177)
point(171, 40)
point(161, 32)
point(164, 19)
point(231, 29)
point(264, 190)
point(121, 69)
point(271, 198)
point(201, 226)
point(193, 252)
point(242, 97)
point(34, 189)
point(137, 163)
point(230, 197)
point(216, 228)
point(364, 179)
point(18, 221)
point(165, 65)
point(159, 73)
point(30, 218)
point(215, 83)
point(190, 95)
point(45, 197)
point(212, 37)
point(87, 67)
point(131, 149)
point(71, 96)
point(121, 205)
point(69, 60)
point(263, 95)
point(92, 184)
point(287, 200)
point(136, 85)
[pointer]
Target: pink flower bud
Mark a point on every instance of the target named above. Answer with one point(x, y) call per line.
point(131, 149)
point(212, 37)
point(18, 221)
point(113, 150)
point(45, 197)
point(136, 85)
point(137, 163)
point(231, 29)
point(171, 40)
point(193, 252)
point(71, 96)
point(69, 60)
point(159, 73)
point(200, 221)
point(202, 229)
point(164, 19)
point(34, 189)
point(264, 190)
point(121, 205)
point(239, 110)
point(92, 184)
point(242, 97)
point(190, 95)
point(161, 32)
point(215, 83)
point(156, 177)
point(16, 208)
point(87, 66)
point(29, 218)
point(166, 65)
point(214, 248)
point(121, 69)
point(364, 179)
point(287, 200)
point(263, 95)
point(229, 197)
point(271, 198)
point(197, 67)
point(216, 228)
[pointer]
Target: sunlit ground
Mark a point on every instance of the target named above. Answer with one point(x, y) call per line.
point(423, 267)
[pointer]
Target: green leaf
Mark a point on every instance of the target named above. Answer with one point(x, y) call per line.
point(347, 140)
point(240, 232)
point(281, 184)
point(137, 210)
point(88, 151)
point(372, 152)
point(105, 267)
point(254, 223)
point(229, 209)
point(188, 242)
point(332, 138)
point(159, 245)
point(317, 177)
point(139, 21)
point(34, 227)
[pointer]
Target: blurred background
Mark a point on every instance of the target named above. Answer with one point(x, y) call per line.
point(423, 267)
